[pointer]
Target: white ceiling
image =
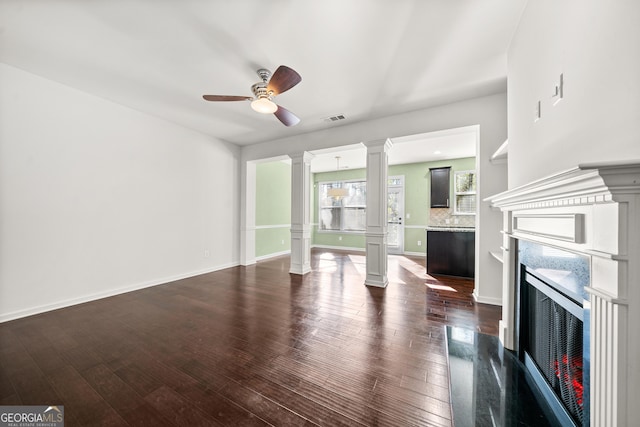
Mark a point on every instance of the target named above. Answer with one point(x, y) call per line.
point(361, 58)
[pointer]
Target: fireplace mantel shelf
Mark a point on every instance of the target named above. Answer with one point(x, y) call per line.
point(584, 184)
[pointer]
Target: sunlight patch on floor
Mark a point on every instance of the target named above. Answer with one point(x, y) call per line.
point(440, 287)
point(328, 266)
point(358, 259)
point(395, 279)
point(361, 268)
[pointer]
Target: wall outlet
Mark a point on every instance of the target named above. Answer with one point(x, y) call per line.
point(419, 242)
point(408, 216)
point(340, 238)
point(456, 221)
point(207, 253)
point(447, 221)
point(283, 241)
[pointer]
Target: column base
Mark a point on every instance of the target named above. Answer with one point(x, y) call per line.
point(376, 245)
point(300, 271)
point(300, 250)
point(376, 283)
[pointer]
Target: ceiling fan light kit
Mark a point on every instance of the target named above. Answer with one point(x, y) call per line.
point(282, 80)
point(264, 106)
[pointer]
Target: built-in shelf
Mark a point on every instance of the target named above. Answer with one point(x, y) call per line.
point(501, 154)
point(497, 255)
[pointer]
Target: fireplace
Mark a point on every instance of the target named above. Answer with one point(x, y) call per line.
point(571, 266)
point(553, 331)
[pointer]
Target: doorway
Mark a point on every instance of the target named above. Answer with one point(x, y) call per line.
point(395, 217)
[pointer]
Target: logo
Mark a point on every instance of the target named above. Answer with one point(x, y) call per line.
point(32, 416)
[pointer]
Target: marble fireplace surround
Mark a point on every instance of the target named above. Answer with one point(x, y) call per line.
point(593, 210)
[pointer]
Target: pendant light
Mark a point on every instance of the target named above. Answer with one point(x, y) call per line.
point(336, 192)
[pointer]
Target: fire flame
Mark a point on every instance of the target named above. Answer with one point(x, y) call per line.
point(572, 376)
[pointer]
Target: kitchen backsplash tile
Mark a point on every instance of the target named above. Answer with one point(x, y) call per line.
point(441, 217)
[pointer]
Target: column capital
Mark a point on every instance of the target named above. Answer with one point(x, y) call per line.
point(304, 156)
point(381, 144)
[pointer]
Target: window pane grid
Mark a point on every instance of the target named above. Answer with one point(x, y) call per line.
point(343, 213)
point(465, 192)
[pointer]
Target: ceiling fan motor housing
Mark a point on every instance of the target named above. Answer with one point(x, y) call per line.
point(260, 91)
point(264, 74)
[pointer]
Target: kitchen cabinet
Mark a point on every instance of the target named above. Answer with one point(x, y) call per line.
point(440, 187)
point(451, 252)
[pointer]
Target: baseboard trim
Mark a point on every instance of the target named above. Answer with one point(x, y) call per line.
point(487, 300)
point(418, 254)
point(339, 248)
point(273, 255)
point(6, 317)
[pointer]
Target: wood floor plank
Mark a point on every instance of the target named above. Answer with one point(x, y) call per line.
point(80, 400)
point(219, 408)
point(146, 416)
point(118, 394)
point(250, 346)
point(263, 407)
point(177, 409)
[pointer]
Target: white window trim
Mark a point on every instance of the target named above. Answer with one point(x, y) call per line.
point(464, 193)
point(320, 207)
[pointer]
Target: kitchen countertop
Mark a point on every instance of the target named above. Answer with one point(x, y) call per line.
point(447, 228)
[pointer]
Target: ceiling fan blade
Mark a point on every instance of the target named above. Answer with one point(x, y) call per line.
point(286, 117)
point(226, 98)
point(283, 79)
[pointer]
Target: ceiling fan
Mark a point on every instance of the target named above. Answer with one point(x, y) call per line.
point(281, 81)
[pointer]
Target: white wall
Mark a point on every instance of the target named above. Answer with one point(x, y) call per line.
point(489, 112)
point(596, 44)
point(96, 198)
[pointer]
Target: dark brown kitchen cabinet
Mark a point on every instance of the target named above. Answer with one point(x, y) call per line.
point(451, 253)
point(440, 185)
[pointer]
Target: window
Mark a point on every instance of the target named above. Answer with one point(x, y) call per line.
point(464, 193)
point(345, 213)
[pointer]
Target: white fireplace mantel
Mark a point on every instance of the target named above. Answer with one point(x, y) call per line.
point(594, 210)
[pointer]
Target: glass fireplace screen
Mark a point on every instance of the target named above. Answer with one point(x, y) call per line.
point(554, 343)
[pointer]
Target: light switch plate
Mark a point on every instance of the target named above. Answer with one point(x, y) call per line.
point(558, 90)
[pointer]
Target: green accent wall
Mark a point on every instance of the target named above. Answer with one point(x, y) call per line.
point(417, 201)
point(272, 241)
point(273, 193)
point(273, 208)
point(330, 238)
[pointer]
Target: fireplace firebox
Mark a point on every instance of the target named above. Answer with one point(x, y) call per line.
point(553, 328)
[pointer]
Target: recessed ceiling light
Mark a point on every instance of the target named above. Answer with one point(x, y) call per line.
point(437, 152)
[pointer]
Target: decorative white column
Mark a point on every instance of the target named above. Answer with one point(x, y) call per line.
point(248, 214)
point(376, 231)
point(300, 213)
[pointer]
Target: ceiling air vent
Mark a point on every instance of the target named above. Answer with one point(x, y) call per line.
point(334, 118)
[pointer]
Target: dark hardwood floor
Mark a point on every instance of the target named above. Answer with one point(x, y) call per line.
point(250, 346)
